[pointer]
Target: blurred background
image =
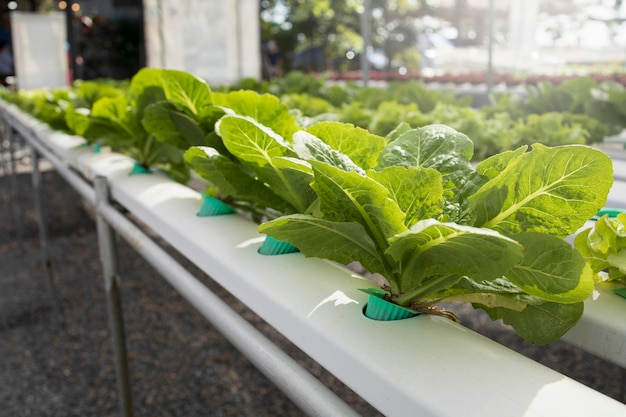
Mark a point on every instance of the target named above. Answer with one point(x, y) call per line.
point(399, 38)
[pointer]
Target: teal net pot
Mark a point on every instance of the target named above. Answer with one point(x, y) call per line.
point(271, 246)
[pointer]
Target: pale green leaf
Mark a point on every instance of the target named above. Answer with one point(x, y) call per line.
point(618, 260)
point(170, 125)
point(603, 245)
point(290, 178)
point(233, 183)
point(114, 121)
point(549, 190)
point(338, 241)
point(494, 165)
point(540, 324)
point(186, 91)
point(146, 87)
point(397, 132)
point(250, 141)
point(596, 260)
point(433, 146)
point(312, 148)
point(417, 191)
point(352, 197)
point(551, 269)
point(77, 119)
point(358, 144)
point(266, 109)
point(434, 249)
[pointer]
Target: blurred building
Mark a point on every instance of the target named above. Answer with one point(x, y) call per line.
point(214, 39)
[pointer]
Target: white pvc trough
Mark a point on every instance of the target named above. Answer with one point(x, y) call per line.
point(424, 366)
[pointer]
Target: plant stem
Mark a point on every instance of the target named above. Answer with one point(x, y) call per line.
point(430, 287)
point(146, 151)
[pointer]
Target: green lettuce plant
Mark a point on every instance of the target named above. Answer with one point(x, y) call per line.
point(604, 246)
point(262, 173)
point(439, 230)
point(116, 121)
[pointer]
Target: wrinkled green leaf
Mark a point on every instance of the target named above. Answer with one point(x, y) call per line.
point(540, 324)
point(432, 249)
point(186, 91)
point(417, 191)
point(358, 144)
point(234, 184)
point(549, 190)
point(433, 146)
point(351, 197)
point(146, 87)
point(167, 124)
point(343, 242)
point(266, 109)
point(267, 154)
point(551, 269)
point(444, 149)
point(250, 141)
point(311, 148)
point(603, 245)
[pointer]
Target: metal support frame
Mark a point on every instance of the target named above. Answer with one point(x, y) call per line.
point(43, 232)
point(108, 258)
point(3, 163)
point(15, 197)
point(305, 390)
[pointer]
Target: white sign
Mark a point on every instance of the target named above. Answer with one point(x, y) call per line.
point(216, 40)
point(39, 50)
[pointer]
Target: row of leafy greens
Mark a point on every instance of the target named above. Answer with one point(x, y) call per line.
point(412, 208)
point(578, 111)
point(409, 206)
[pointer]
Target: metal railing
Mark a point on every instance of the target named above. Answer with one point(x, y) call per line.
point(306, 392)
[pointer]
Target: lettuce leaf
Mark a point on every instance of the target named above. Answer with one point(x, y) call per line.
point(356, 143)
point(604, 246)
point(548, 190)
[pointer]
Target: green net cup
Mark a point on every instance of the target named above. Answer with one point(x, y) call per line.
point(271, 246)
point(378, 308)
point(212, 206)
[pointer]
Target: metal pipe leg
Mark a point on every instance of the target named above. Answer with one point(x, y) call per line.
point(108, 257)
point(15, 198)
point(3, 163)
point(43, 233)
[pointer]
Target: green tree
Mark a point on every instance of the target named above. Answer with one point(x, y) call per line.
point(394, 30)
point(334, 25)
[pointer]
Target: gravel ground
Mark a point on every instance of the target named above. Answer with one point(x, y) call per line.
point(58, 361)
